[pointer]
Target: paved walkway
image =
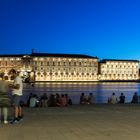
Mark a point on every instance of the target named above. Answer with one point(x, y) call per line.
point(99, 122)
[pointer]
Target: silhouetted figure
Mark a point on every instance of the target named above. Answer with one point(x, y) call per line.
point(91, 98)
point(44, 100)
point(82, 98)
point(70, 101)
point(67, 99)
point(63, 101)
point(52, 101)
point(135, 98)
point(122, 99)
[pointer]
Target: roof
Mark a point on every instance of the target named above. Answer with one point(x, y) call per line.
point(12, 55)
point(116, 60)
point(62, 55)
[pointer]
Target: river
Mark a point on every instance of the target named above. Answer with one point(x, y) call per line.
point(101, 90)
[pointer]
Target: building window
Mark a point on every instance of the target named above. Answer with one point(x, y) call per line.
point(5, 63)
point(35, 63)
point(41, 63)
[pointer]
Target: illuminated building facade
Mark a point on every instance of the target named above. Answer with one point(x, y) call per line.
point(119, 70)
point(21, 63)
point(65, 67)
point(51, 67)
point(68, 67)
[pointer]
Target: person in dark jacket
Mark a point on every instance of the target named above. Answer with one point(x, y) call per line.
point(135, 98)
point(122, 99)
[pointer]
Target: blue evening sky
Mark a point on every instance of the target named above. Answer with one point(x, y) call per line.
point(103, 28)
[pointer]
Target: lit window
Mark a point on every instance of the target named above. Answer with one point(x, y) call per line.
point(41, 63)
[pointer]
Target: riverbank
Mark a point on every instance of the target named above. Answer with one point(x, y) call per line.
point(77, 122)
point(97, 81)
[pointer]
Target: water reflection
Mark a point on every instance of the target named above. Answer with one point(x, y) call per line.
point(101, 90)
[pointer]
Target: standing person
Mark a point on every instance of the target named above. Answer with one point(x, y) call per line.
point(4, 99)
point(17, 88)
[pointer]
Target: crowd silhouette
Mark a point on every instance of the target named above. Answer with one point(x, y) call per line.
point(63, 100)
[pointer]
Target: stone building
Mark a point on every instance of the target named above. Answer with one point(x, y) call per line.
point(64, 67)
point(51, 67)
point(21, 63)
point(68, 67)
point(119, 69)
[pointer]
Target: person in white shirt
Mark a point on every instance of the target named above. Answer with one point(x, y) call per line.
point(17, 88)
point(113, 99)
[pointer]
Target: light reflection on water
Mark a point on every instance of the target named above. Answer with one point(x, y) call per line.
point(101, 90)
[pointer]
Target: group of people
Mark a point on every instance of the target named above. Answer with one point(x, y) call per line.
point(52, 101)
point(90, 98)
point(59, 100)
point(113, 99)
point(87, 99)
point(5, 101)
